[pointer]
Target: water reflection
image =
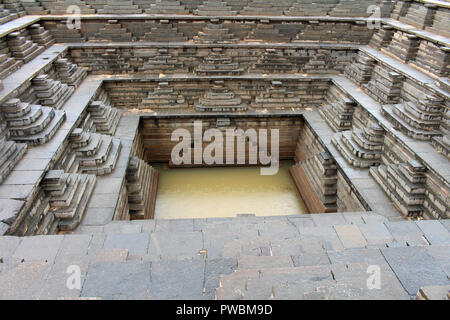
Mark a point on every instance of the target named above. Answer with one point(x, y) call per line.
point(225, 192)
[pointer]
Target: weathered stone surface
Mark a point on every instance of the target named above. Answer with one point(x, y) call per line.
point(178, 280)
point(414, 267)
point(118, 280)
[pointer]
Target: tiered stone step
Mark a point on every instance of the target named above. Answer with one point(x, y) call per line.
point(360, 71)
point(215, 33)
point(60, 6)
point(352, 8)
point(338, 110)
point(214, 8)
point(10, 152)
point(404, 183)
point(95, 153)
point(164, 32)
point(220, 98)
point(441, 22)
point(361, 147)
point(68, 195)
point(274, 61)
point(311, 8)
point(31, 124)
point(266, 8)
point(5, 15)
point(112, 31)
point(400, 9)
point(433, 59)
point(442, 145)
point(119, 7)
point(167, 7)
point(416, 120)
point(51, 92)
point(97, 4)
point(322, 176)
point(104, 117)
point(41, 36)
point(23, 49)
point(217, 64)
point(34, 7)
point(385, 85)
point(14, 7)
point(8, 64)
point(419, 15)
point(64, 32)
point(69, 73)
point(163, 62)
point(383, 37)
point(403, 46)
point(142, 186)
point(276, 96)
point(163, 96)
point(265, 32)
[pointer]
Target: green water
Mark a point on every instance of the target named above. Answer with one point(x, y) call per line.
point(225, 192)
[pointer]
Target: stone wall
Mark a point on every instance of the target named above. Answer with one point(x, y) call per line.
point(338, 8)
point(141, 59)
point(135, 93)
point(308, 147)
point(156, 133)
point(178, 29)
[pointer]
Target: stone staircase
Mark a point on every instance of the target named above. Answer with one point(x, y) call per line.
point(311, 8)
point(214, 8)
point(91, 153)
point(338, 109)
point(142, 186)
point(10, 152)
point(215, 33)
point(41, 36)
point(163, 96)
point(163, 62)
point(167, 7)
point(217, 64)
point(51, 92)
point(404, 183)
point(23, 49)
point(220, 98)
point(31, 124)
point(70, 73)
point(361, 147)
point(277, 96)
point(68, 195)
point(105, 118)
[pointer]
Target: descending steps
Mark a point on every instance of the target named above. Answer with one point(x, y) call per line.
point(104, 117)
point(31, 124)
point(361, 147)
point(68, 196)
point(404, 183)
point(51, 92)
point(91, 153)
point(220, 98)
point(10, 152)
point(142, 186)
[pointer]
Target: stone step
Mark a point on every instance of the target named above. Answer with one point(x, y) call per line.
point(405, 127)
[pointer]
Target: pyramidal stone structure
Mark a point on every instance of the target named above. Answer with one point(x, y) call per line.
point(356, 94)
point(220, 98)
point(163, 96)
point(218, 63)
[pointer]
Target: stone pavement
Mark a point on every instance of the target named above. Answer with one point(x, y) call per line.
point(324, 256)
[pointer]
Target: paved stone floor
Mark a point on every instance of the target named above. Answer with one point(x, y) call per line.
point(323, 256)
